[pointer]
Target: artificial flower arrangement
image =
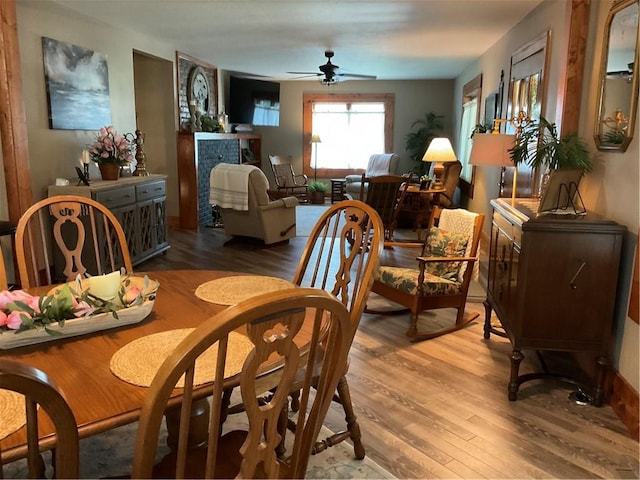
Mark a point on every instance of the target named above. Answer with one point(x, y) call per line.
point(20, 311)
point(111, 147)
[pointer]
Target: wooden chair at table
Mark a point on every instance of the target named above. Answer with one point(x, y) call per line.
point(341, 256)
point(272, 322)
point(385, 193)
point(443, 274)
point(4, 284)
point(85, 234)
point(40, 391)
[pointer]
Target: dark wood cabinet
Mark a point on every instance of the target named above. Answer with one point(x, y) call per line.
point(552, 282)
point(139, 204)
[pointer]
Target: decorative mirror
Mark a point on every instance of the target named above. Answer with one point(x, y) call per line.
point(618, 78)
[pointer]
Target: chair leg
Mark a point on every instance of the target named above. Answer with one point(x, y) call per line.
point(353, 429)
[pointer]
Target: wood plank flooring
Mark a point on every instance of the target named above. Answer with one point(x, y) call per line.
point(439, 409)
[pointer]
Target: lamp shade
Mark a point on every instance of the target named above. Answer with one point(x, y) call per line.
point(315, 139)
point(440, 150)
point(492, 149)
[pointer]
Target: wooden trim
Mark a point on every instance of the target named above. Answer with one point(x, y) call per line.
point(472, 89)
point(571, 92)
point(624, 401)
point(13, 127)
point(634, 300)
point(309, 99)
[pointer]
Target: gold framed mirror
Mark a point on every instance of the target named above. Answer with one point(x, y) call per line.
point(618, 78)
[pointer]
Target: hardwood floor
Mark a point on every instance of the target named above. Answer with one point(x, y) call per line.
point(439, 409)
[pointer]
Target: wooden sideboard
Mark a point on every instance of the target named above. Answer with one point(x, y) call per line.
point(552, 282)
point(139, 203)
point(198, 153)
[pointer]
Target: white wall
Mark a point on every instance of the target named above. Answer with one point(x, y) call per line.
point(611, 189)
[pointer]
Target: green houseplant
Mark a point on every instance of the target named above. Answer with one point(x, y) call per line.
point(540, 145)
point(417, 141)
point(317, 191)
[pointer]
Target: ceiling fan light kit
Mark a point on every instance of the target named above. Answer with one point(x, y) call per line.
point(329, 72)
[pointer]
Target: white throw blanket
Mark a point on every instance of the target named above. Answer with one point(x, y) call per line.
point(379, 164)
point(229, 186)
point(459, 220)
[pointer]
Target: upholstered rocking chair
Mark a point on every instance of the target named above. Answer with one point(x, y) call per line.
point(441, 279)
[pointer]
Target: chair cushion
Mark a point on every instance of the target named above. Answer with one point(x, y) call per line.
point(406, 280)
point(441, 243)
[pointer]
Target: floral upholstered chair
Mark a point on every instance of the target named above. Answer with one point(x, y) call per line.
point(447, 264)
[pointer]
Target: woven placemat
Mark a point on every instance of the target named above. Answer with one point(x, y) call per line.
point(12, 412)
point(231, 290)
point(138, 361)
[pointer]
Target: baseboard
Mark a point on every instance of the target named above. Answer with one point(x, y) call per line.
point(624, 401)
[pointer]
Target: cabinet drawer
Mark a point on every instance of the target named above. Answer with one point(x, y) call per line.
point(117, 197)
point(150, 190)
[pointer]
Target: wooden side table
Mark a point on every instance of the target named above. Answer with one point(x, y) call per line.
point(337, 189)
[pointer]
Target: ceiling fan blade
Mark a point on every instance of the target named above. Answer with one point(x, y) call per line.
point(306, 73)
point(355, 75)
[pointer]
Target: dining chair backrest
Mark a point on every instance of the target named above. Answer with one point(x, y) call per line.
point(342, 253)
point(72, 235)
point(4, 285)
point(40, 391)
point(275, 324)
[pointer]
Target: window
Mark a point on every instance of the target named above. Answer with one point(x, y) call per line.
point(351, 127)
point(471, 93)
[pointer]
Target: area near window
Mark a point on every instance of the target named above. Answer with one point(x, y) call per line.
point(351, 128)
point(471, 93)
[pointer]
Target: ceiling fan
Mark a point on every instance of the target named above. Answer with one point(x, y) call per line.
point(330, 72)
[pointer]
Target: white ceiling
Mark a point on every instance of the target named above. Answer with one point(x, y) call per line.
point(392, 39)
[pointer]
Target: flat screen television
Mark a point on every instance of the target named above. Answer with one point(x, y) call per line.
point(255, 102)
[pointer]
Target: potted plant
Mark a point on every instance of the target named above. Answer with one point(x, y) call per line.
point(110, 151)
point(540, 145)
point(416, 142)
point(317, 191)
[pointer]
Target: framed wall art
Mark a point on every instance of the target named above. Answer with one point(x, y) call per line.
point(77, 82)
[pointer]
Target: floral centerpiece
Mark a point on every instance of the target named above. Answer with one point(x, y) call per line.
point(72, 302)
point(111, 147)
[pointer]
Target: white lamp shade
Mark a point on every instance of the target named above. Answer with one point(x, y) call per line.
point(440, 150)
point(315, 139)
point(492, 149)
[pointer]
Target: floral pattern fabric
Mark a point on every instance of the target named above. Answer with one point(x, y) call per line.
point(441, 243)
point(406, 280)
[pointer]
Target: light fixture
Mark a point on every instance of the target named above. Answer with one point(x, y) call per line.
point(439, 151)
point(315, 140)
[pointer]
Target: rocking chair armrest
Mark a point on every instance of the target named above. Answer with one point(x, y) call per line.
point(446, 259)
point(304, 178)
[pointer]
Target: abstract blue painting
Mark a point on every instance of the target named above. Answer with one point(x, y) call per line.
point(77, 81)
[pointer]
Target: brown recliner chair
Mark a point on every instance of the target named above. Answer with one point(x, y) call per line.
point(450, 180)
point(272, 221)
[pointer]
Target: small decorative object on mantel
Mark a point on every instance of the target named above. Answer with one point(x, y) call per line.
point(74, 308)
point(141, 158)
point(110, 151)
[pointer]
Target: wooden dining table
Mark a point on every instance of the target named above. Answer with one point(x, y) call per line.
point(79, 365)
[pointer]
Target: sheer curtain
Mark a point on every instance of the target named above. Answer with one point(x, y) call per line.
point(350, 133)
point(469, 115)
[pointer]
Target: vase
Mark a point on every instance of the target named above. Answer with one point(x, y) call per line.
point(109, 171)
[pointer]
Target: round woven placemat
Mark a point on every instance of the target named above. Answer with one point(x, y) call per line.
point(12, 413)
point(231, 290)
point(138, 361)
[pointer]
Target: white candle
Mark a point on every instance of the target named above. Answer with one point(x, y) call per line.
point(105, 286)
point(85, 157)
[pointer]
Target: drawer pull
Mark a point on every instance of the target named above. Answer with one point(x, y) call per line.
point(145, 191)
point(572, 282)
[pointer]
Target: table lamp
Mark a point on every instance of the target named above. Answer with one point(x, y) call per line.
point(439, 151)
point(493, 149)
point(315, 139)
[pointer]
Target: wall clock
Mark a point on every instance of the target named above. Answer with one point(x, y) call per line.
point(198, 89)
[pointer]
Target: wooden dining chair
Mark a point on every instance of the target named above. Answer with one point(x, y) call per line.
point(4, 284)
point(41, 392)
point(441, 279)
point(341, 256)
point(273, 323)
point(64, 236)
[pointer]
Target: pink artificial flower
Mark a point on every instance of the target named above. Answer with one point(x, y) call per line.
point(3, 318)
point(14, 320)
point(5, 299)
point(81, 308)
point(131, 295)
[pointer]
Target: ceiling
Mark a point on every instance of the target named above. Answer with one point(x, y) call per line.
point(391, 39)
